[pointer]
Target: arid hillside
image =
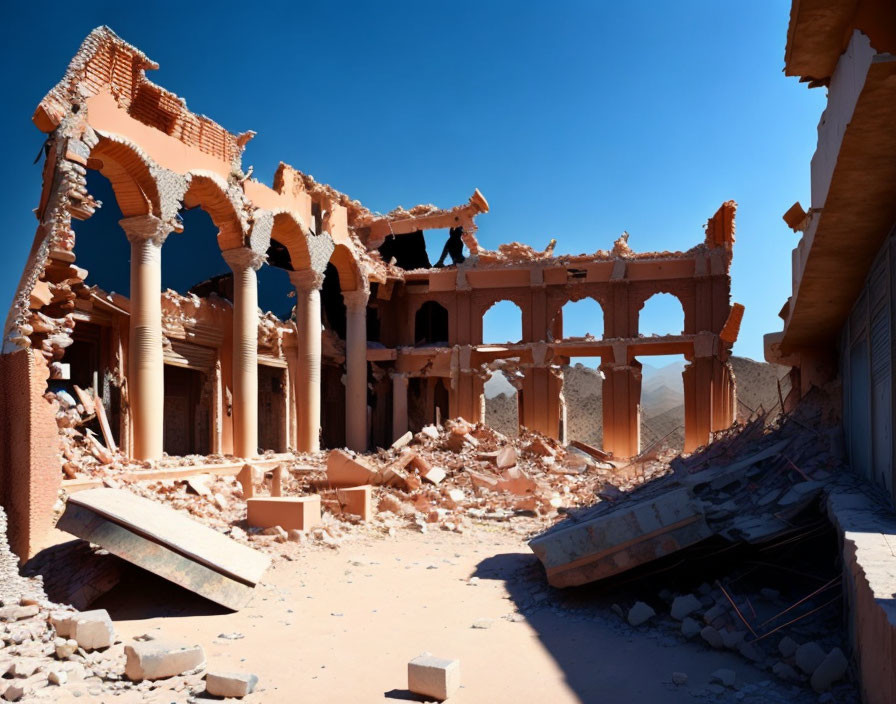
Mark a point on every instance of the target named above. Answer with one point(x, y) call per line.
point(662, 400)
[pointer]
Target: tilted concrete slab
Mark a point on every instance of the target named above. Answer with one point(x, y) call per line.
point(167, 543)
point(614, 542)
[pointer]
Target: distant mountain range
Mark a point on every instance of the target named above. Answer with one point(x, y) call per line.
point(662, 399)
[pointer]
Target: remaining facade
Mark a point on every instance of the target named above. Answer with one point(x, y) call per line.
point(205, 373)
point(839, 320)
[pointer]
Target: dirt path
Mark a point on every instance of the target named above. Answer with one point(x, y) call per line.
point(339, 625)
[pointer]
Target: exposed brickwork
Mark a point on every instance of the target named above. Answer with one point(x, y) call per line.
point(30, 460)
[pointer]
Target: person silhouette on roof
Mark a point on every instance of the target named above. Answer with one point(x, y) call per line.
point(454, 247)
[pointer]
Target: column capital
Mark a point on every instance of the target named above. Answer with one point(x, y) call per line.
point(399, 377)
point(357, 298)
point(241, 258)
point(139, 228)
point(306, 279)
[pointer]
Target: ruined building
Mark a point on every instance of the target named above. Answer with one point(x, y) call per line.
point(838, 322)
point(380, 341)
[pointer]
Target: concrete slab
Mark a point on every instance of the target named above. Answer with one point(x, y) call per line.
point(614, 542)
point(166, 542)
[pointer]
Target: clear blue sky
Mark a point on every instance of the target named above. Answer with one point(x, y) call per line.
point(577, 120)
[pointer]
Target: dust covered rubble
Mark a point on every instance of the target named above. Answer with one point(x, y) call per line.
point(442, 478)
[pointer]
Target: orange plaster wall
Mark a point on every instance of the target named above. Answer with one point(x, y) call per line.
point(104, 114)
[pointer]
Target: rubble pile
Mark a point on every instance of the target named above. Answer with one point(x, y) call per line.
point(751, 485)
point(442, 477)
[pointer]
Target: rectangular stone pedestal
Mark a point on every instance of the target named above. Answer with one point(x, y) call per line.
point(288, 512)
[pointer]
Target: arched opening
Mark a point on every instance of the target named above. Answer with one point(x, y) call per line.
point(431, 325)
point(502, 323)
point(662, 402)
point(583, 395)
point(580, 320)
point(192, 264)
point(501, 410)
point(661, 314)
point(427, 402)
point(332, 406)
point(101, 246)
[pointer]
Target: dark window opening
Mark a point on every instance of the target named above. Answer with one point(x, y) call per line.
point(187, 412)
point(409, 251)
point(332, 304)
point(431, 325)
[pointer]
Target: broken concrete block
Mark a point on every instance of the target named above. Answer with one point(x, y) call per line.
point(89, 629)
point(248, 477)
point(343, 470)
point(430, 431)
point(640, 613)
point(711, 636)
point(732, 639)
point(724, 676)
point(539, 447)
point(356, 500)
point(435, 475)
point(17, 613)
point(57, 677)
point(505, 458)
point(787, 647)
point(751, 651)
point(277, 481)
point(156, 659)
point(24, 667)
point(809, 656)
point(65, 648)
point(14, 692)
point(167, 542)
point(433, 677)
point(230, 684)
point(831, 669)
point(403, 440)
point(279, 534)
point(288, 512)
point(684, 606)
point(594, 548)
point(785, 672)
point(689, 627)
point(679, 678)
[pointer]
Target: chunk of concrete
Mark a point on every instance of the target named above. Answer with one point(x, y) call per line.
point(787, 646)
point(640, 613)
point(288, 512)
point(633, 534)
point(90, 630)
point(65, 648)
point(724, 676)
point(684, 605)
point(166, 542)
point(230, 684)
point(712, 636)
point(689, 627)
point(831, 670)
point(505, 458)
point(403, 440)
point(157, 659)
point(433, 677)
point(809, 656)
point(435, 475)
point(356, 500)
point(343, 470)
point(17, 613)
point(93, 630)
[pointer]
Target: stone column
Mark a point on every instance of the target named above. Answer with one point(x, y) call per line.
point(308, 329)
point(622, 408)
point(399, 405)
point(356, 369)
point(697, 376)
point(244, 263)
point(146, 372)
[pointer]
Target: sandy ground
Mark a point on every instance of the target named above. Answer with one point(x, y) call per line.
point(339, 625)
